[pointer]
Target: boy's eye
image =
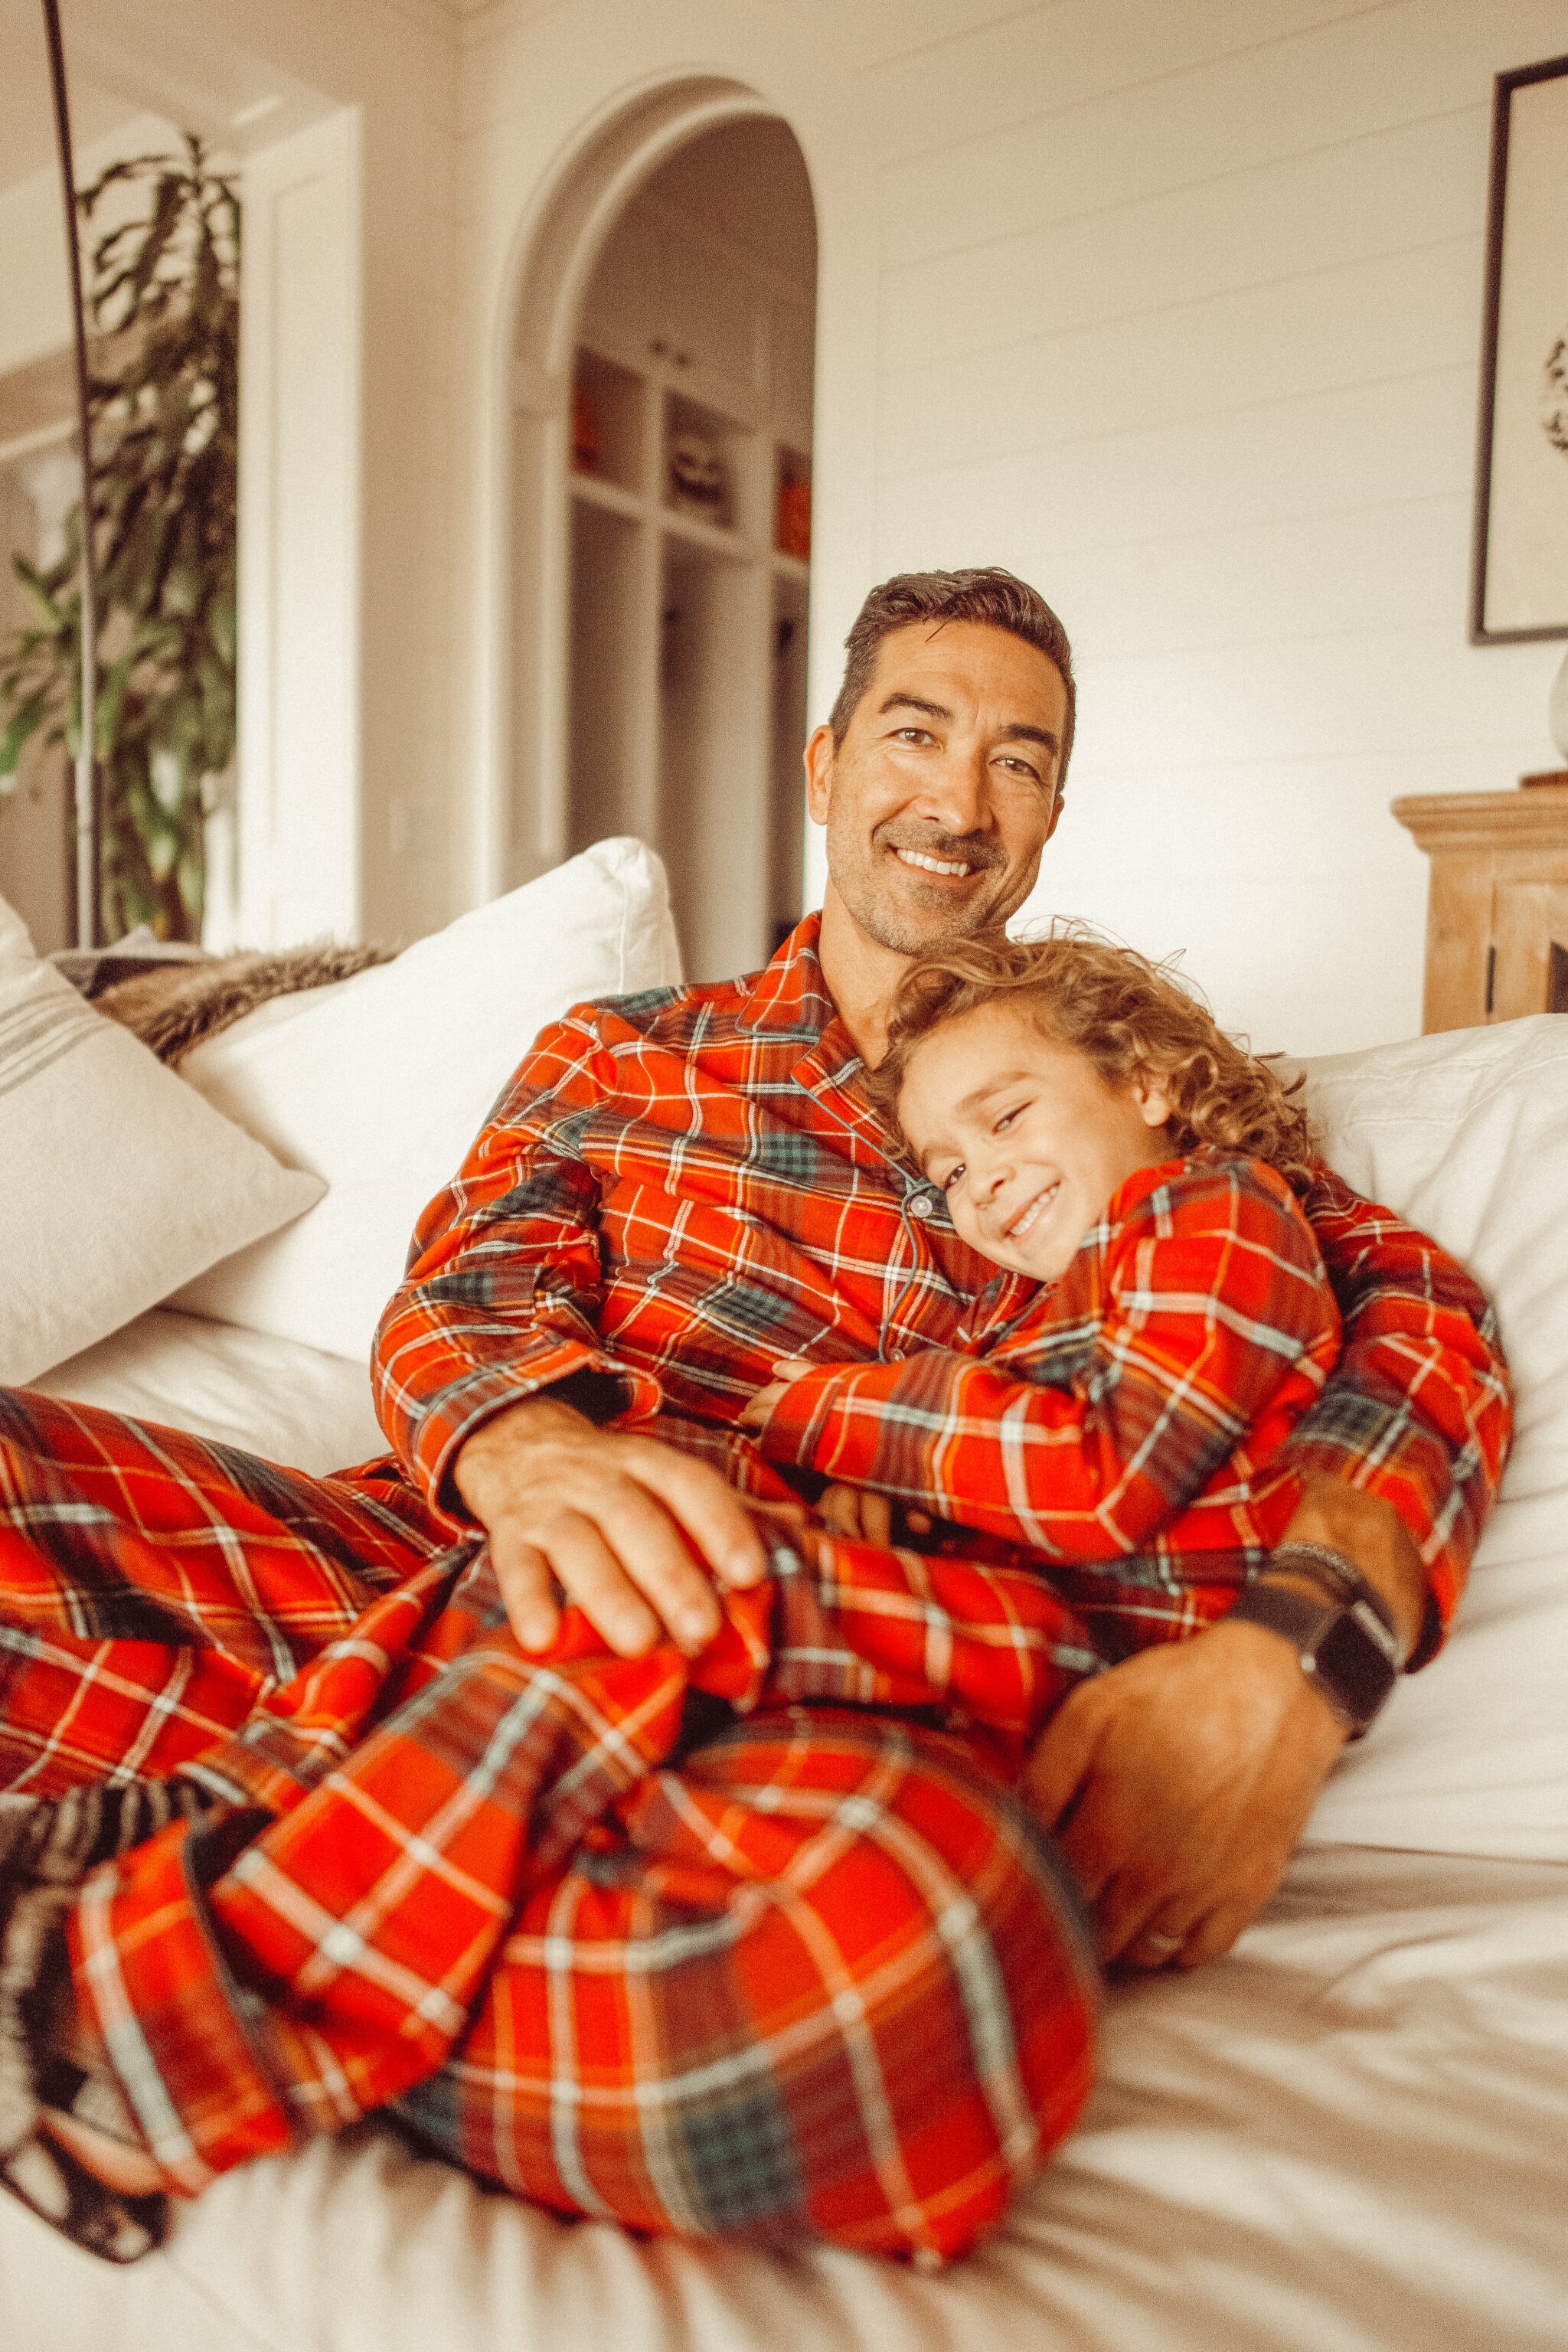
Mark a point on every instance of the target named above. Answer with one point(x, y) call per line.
point(1006, 1118)
point(951, 1178)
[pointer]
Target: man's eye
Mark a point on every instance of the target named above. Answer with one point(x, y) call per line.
point(1024, 769)
point(912, 735)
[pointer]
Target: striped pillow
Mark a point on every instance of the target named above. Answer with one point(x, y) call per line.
point(118, 1181)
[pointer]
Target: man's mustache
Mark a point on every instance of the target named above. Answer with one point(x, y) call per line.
point(972, 849)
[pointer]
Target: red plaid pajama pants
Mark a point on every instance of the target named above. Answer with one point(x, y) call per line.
point(817, 1972)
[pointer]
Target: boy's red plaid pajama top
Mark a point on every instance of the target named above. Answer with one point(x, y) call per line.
point(812, 1966)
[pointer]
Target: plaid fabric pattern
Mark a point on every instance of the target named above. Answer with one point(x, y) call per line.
point(817, 1972)
point(678, 1188)
point(822, 1971)
point(1130, 1415)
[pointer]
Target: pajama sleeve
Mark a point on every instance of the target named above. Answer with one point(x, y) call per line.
point(1196, 1309)
point(505, 1271)
point(1418, 1409)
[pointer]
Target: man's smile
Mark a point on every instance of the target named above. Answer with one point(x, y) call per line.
point(930, 864)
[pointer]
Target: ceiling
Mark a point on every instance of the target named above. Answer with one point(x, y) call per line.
point(130, 57)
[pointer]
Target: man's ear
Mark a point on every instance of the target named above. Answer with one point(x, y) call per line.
point(1058, 804)
point(820, 753)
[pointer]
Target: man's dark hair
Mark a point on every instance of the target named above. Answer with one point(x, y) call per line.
point(990, 595)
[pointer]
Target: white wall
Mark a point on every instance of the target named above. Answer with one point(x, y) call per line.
point(1180, 318)
point(1174, 308)
point(1176, 311)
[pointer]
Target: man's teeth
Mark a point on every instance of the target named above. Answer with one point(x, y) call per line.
point(931, 864)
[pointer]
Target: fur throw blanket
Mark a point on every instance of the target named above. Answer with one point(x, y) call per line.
point(174, 1006)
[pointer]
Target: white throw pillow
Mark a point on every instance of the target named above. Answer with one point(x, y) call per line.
point(381, 1082)
point(1466, 1135)
point(119, 1183)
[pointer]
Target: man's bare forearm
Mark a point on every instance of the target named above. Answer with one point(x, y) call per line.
point(1372, 1537)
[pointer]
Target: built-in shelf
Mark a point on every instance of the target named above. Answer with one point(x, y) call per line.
point(688, 635)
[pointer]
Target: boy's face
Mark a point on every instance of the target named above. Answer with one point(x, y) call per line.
point(1025, 1137)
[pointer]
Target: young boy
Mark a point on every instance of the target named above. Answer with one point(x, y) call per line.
point(1162, 1318)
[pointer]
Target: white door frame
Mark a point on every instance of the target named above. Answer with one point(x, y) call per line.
point(528, 822)
point(301, 532)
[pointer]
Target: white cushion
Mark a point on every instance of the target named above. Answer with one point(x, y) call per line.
point(381, 1082)
point(1466, 1135)
point(268, 1396)
point(119, 1183)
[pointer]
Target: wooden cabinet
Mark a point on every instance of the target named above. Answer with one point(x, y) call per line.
point(1497, 909)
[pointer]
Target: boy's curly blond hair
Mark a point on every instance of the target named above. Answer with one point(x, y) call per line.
point(1131, 1018)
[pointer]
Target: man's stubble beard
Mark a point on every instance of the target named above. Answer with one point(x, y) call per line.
point(905, 935)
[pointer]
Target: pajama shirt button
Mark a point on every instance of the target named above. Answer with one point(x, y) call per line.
point(921, 1205)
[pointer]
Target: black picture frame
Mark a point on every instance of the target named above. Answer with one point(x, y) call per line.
point(1518, 565)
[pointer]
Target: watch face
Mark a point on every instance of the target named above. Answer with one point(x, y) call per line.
point(1353, 1668)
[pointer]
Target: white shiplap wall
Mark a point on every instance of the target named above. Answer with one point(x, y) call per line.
point(1180, 318)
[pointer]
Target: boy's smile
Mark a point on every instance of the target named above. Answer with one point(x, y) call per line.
point(1025, 1139)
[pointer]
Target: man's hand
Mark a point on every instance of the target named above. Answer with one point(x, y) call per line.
point(634, 1532)
point(1178, 1783)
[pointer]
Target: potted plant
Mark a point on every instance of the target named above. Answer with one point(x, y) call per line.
point(164, 403)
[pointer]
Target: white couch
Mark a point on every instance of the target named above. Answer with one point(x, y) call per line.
point(1349, 2136)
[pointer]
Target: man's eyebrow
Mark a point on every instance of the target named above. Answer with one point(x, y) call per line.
point(914, 702)
point(1018, 731)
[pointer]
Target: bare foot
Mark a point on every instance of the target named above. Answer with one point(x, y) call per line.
point(128, 2171)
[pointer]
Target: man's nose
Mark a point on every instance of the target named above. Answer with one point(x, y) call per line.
point(957, 793)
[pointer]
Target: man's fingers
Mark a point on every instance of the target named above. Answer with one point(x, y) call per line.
point(591, 1574)
point(1144, 1923)
point(711, 1513)
point(527, 1588)
point(1054, 1773)
point(630, 1567)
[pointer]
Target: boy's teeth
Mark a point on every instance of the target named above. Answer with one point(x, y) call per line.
point(931, 864)
point(1041, 1200)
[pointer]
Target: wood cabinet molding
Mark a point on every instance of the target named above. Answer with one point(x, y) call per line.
point(1496, 909)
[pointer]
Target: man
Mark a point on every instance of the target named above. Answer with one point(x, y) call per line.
point(605, 1928)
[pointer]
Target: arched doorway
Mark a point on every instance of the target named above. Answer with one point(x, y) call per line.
point(662, 457)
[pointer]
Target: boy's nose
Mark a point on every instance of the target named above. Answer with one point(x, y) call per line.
point(989, 1178)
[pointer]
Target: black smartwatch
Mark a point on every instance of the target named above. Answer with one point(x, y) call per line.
point(1348, 1650)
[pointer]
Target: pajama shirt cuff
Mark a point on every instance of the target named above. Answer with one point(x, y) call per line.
point(451, 1418)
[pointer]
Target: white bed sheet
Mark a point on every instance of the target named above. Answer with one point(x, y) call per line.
point(1349, 2136)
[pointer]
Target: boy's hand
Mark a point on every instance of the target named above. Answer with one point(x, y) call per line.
point(787, 1370)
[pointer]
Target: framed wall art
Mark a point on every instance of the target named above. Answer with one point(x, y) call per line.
point(1519, 564)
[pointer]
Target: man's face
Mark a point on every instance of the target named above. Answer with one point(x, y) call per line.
point(944, 792)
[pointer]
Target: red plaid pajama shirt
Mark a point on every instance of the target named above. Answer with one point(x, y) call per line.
point(815, 1969)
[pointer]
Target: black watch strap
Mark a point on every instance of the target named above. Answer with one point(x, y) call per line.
point(1347, 1651)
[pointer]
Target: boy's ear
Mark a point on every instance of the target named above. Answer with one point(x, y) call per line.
point(1153, 1103)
